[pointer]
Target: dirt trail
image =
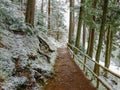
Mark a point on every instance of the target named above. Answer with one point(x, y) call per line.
point(68, 75)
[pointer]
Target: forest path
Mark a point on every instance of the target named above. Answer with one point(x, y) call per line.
point(68, 76)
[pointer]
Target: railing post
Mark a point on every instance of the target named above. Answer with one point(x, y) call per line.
point(84, 63)
point(98, 76)
point(97, 86)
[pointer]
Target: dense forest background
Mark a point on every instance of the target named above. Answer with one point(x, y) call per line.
point(32, 30)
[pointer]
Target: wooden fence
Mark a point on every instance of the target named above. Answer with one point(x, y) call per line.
point(99, 79)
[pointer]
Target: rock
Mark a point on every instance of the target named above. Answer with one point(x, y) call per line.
point(1, 45)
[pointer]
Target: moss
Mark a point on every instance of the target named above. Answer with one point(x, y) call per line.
point(2, 76)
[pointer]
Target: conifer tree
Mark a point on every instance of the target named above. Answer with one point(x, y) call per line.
point(71, 21)
point(49, 14)
point(101, 35)
point(30, 11)
point(81, 13)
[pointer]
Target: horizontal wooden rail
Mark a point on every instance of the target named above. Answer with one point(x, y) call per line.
point(89, 58)
point(108, 87)
point(113, 73)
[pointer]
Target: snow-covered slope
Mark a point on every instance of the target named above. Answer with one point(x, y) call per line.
point(21, 65)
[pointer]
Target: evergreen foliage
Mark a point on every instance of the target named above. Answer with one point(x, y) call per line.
point(10, 16)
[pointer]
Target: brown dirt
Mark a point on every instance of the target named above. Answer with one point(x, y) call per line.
point(68, 75)
point(1, 45)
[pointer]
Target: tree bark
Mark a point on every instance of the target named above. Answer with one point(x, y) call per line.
point(48, 14)
point(27, 17)
point(108, 50)
point(84, 36)
point(91, 35)
point(42, 7)
point(101, 35)
point(71, 22)
point(30, 11)
point(81, 13)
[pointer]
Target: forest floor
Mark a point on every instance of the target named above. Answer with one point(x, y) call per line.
point(68, 76)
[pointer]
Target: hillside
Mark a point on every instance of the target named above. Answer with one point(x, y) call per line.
point(24, 63)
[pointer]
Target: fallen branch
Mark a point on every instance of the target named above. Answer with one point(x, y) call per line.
point(44, 44)
point(41, 53)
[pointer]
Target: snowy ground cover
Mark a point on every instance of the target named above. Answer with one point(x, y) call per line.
point(21, 46)
point(17, 66)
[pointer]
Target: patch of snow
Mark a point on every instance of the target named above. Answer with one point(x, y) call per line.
point(112, 67)
point(56, 44)
point(13, 82)
point(106, 82)
point(5, 61)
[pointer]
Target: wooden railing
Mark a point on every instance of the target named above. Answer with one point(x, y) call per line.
point(86, 67)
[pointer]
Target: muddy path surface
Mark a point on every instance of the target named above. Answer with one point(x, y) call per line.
point(68, 76)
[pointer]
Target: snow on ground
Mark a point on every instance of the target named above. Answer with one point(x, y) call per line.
point(112, 80)
point(19, 49)
point(63, 42)
point(56, 43)
point(22, 46)
point(112, 67)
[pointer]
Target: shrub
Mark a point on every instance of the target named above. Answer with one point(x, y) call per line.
point(10, 16)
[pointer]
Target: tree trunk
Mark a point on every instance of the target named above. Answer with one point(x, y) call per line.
point(30, 11)
point(27, 17)
point(89, 42)
point(84, 36)
point(42, 11)
point(91, 35)
point(42, 7)
point(108, 49)
point(101, 35)
point(71, 22)
point(48, 14)
point(81, 13)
